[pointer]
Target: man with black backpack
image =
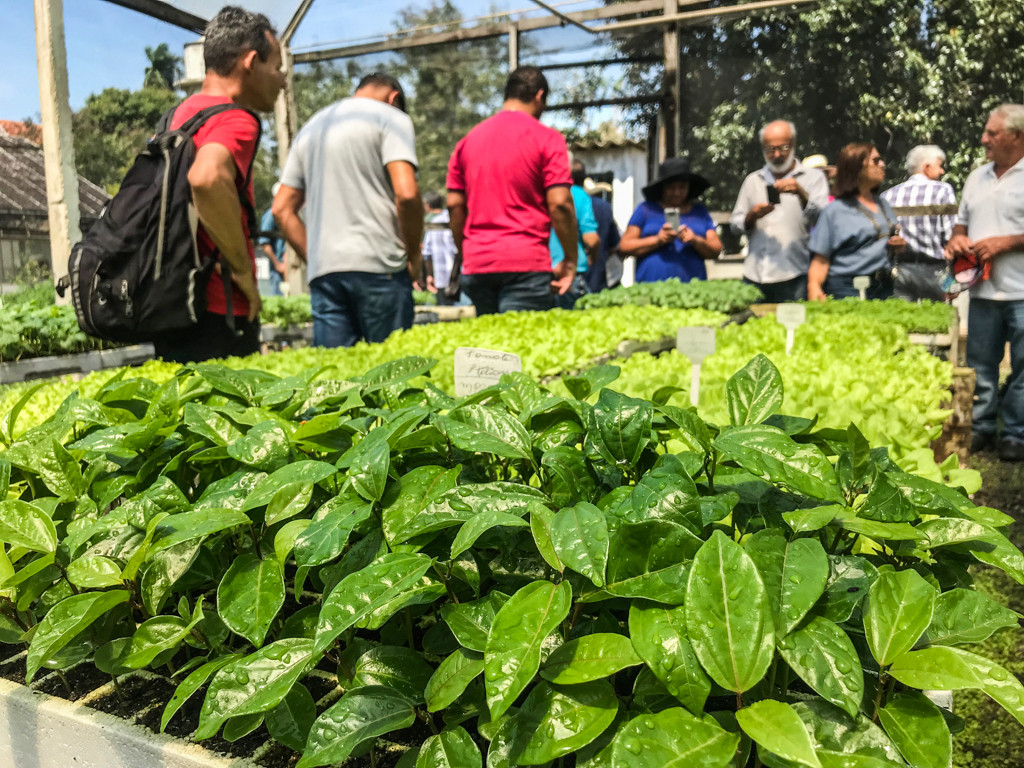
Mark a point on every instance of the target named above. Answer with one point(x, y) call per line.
point(243, 68)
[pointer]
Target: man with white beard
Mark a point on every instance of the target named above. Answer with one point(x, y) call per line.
point(776, 208)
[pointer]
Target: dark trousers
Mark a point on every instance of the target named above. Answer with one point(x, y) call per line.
point(211, 338)
point(783, 292)
point(920, 280)
point(493, 292)
point(841, 286)
point(349, 307)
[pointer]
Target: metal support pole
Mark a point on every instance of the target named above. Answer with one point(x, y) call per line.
point(513, 46)
point(58, 149)
point(286, 126)
point(669, 140)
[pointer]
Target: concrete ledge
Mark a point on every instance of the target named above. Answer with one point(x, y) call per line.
point(83, 362)
point(42, 731)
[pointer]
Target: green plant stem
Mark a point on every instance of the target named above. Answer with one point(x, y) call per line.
point(407, 618)
point(883, 679)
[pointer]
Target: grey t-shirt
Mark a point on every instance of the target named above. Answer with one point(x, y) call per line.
point(339, 158)
point(853, 238)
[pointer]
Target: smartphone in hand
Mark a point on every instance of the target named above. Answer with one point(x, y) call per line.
point(672, 217)
point(773, 194)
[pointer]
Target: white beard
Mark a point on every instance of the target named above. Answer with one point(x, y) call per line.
point(783, 166)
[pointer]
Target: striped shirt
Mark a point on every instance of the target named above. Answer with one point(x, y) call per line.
point(925, 235)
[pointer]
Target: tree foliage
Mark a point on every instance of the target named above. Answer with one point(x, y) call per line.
point(895, 72)
point(112, 127)
point(164, 68)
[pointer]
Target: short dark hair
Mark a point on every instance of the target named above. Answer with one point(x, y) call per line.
point(231, 34)
point(433, 200)
point(848, 167)
point(524, 83)
point(386, 80)
point(578, 172)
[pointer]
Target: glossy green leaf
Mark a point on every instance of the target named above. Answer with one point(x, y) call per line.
point(667, 492)
point(407, 500)
point(555, 721)
point(672, 738)
point(368, 463)
point(580, 538)
point(623, 425)
point(754, 392)
point(824, 657)
point(966, 616)
point(471, 622)
point(25, 525)
point(452, 677)
point(899, 610)
point(771, 454)
point(587, 658)
point(163, 570)
point(291, 720)
point(540, 528)
point(210, 424)
point(360, 594)
point(571, 480)
point(849, 580)
point(65, 621)
point(199, 524)
point(264, 447)
point(918, 729)
point(728, 616)
point(794, 573)
point(250, 596)
point(451, 748)
point(285, 538)
point(774, 726)
point(486, 429)
point(650, 560)
point(403, 670)
point(480, 524)
point(583, 385)
point(360, 715)
point(157, 635)
point(238, 728)
point(288, 479)
point(324, 539)
point(954, 669)
point(886, 503)
point(255, 683)
point(985, 543)
point(661, 639)
point(842, 740)
point(94, 572)
point(195, 680)
point(512, 654)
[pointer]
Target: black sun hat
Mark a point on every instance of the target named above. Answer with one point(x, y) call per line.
point(676, 169)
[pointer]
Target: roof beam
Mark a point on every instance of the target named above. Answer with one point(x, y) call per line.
point(480, 31)
point(165, 12)
point(293, 25)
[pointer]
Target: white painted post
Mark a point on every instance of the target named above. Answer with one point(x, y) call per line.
point(58, 148)
point(286, 126)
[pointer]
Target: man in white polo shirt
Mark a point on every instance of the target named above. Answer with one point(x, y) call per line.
point(991, 225)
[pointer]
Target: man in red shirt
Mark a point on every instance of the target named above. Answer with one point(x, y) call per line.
point(508, 186)
point(243, 66)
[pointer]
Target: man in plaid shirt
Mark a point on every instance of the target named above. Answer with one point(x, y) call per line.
point(919, 268)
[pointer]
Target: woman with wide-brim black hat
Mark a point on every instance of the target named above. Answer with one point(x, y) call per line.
point(664, 250)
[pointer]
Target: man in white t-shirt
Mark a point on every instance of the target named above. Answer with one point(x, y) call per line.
point(990, 225)
point(353, 168)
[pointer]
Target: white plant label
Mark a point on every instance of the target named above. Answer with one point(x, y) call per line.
point(696, 343)
point(477, 369)
point(862, 283)
point(792, 316)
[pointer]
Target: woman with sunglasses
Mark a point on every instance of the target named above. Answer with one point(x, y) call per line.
point(857, 232)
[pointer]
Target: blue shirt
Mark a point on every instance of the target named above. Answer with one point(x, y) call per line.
point(674, 259)
point(267, 224)
point(585, 222)
point(853, 238)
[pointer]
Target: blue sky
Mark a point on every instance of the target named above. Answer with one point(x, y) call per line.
point(105, 44)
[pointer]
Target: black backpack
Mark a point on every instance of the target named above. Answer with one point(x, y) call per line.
point(138, 274)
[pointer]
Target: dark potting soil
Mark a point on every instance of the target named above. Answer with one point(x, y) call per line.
point(15, 669)
point(133, 694)
point(76, 682)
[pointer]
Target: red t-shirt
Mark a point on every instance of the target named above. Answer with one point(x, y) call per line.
point(239, 133)
point(505, 166)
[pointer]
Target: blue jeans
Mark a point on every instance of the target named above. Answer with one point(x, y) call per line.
point(841, 286)
point(579, 288)
point(493, 292)
point(990, 324)
point(794, 289)
point(359, 306)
